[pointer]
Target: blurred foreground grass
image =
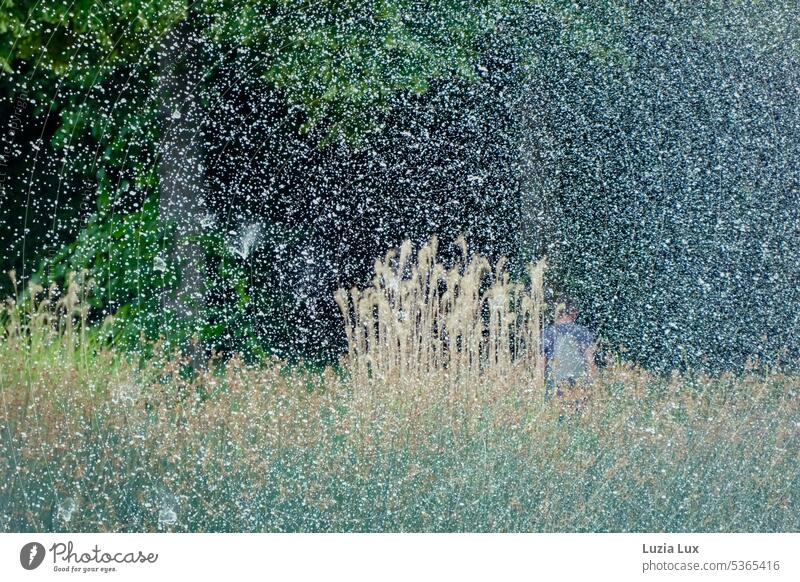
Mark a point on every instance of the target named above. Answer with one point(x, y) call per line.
point(93, 440)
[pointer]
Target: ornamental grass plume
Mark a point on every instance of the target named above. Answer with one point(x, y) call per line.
point(453, 340)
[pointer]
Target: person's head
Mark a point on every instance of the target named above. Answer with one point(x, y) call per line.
point(566, 310)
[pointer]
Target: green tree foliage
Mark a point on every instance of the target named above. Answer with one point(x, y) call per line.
point(90, 72)
point(76, 39)
point(339, 61)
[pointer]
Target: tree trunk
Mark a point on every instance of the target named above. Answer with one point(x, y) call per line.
point(181, 177)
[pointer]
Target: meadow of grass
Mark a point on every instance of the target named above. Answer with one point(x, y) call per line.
point(434, 422)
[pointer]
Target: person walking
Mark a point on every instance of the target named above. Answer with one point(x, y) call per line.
point(569, 350)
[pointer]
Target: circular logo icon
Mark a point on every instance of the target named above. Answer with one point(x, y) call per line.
point(31, 555)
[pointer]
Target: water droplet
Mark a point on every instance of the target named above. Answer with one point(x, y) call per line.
point(65, 508)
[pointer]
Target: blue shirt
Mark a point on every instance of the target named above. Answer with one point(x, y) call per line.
point(582, 335)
